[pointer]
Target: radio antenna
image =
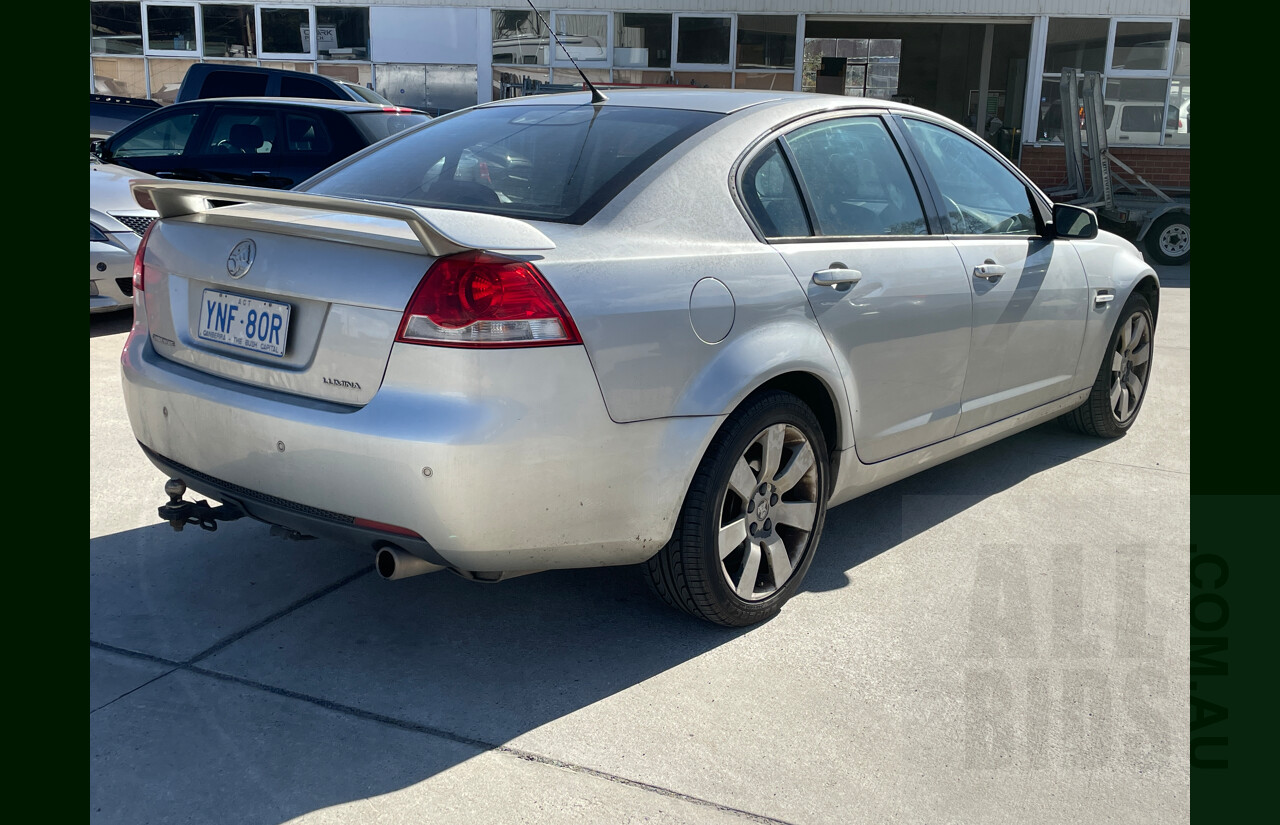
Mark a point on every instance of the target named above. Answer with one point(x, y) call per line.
point(596, 96)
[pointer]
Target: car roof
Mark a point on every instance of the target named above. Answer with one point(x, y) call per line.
point(720, 101)
point(308, 102)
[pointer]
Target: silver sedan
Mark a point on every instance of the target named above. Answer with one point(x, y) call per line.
point(116, 224)
point(668, 329)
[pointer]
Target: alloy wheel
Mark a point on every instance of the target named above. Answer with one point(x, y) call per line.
point(768, 512)
point(1130, 365)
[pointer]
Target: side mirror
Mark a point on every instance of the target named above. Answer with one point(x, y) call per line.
point(1074, 222)
point(98, 150)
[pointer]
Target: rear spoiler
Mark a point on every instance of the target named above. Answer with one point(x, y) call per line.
point(440, 231)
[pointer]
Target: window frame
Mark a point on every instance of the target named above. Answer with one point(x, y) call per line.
point(1165, 72)
point(195, 52)
point(259, 33)
point(605, 62)
point(727, 66)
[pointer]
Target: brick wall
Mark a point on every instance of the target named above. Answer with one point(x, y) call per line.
point(1168, 167)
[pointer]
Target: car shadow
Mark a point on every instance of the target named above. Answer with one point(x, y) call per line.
point(271, 679)
point(110, 323)
point(862, 529)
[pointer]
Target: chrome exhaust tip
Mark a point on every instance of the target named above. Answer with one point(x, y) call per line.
point(393, 563)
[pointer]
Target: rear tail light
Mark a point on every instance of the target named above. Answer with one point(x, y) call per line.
point(137, 259)
point(475, 299)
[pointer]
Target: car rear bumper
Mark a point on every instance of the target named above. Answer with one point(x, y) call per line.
point(502, 461)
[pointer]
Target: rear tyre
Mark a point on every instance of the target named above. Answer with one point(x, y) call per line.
point(752, 517)
point(1121, 384)
point(1169, 239)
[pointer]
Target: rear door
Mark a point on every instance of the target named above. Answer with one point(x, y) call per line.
point(275, 147)
point(837, 201)
point(1030, 294)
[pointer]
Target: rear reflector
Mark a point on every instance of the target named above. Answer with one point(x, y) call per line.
point(475, 299)
point(369, 524)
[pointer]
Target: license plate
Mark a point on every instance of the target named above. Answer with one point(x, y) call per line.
point(248, 323)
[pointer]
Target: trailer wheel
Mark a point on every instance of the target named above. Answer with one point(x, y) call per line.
point(1169, 239)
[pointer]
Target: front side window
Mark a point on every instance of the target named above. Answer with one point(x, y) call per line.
point(550, 162)
point(856, 179)
point(164, 137)
point(980, 195)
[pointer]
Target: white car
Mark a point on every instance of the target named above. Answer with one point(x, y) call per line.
point(116, 224)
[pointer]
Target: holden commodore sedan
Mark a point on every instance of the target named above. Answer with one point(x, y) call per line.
point(668, 329)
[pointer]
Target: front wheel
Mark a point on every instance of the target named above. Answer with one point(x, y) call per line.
point(1169, 239)
point(1121, 384)
point(752, 517)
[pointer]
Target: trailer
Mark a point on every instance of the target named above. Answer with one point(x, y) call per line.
point(1127, 204)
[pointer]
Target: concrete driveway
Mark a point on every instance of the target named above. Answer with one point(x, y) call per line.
point(1000, 639)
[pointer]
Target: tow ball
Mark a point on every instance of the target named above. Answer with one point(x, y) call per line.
point(180, 513)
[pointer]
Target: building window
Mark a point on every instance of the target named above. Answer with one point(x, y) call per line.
point(1145, 66)
point(115, 28)
point(342, 33)
point(702, 40)
point(766, 41)
point(1141, 46)
point(286, 31)
point(170, 29)
point(854, 66)
point(228, 30)
point(520, 39)
point(642, 41)
point(584, 37)
point(1077, 43)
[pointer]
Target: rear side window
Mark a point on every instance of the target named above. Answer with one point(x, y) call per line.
point(234, 84)
point(302, 87)
point(378, 125)
point(856, 179)
point(546, 162)
point(305, 133)
point(772, 197)
point(240, 132)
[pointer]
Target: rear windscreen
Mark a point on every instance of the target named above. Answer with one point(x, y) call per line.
point(556, 163)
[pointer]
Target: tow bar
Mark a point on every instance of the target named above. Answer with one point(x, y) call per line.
point(180, 513)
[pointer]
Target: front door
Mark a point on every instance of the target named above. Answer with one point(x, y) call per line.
point(1030, 294)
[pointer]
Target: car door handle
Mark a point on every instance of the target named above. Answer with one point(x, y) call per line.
point(837, 276)
point(989, 271)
